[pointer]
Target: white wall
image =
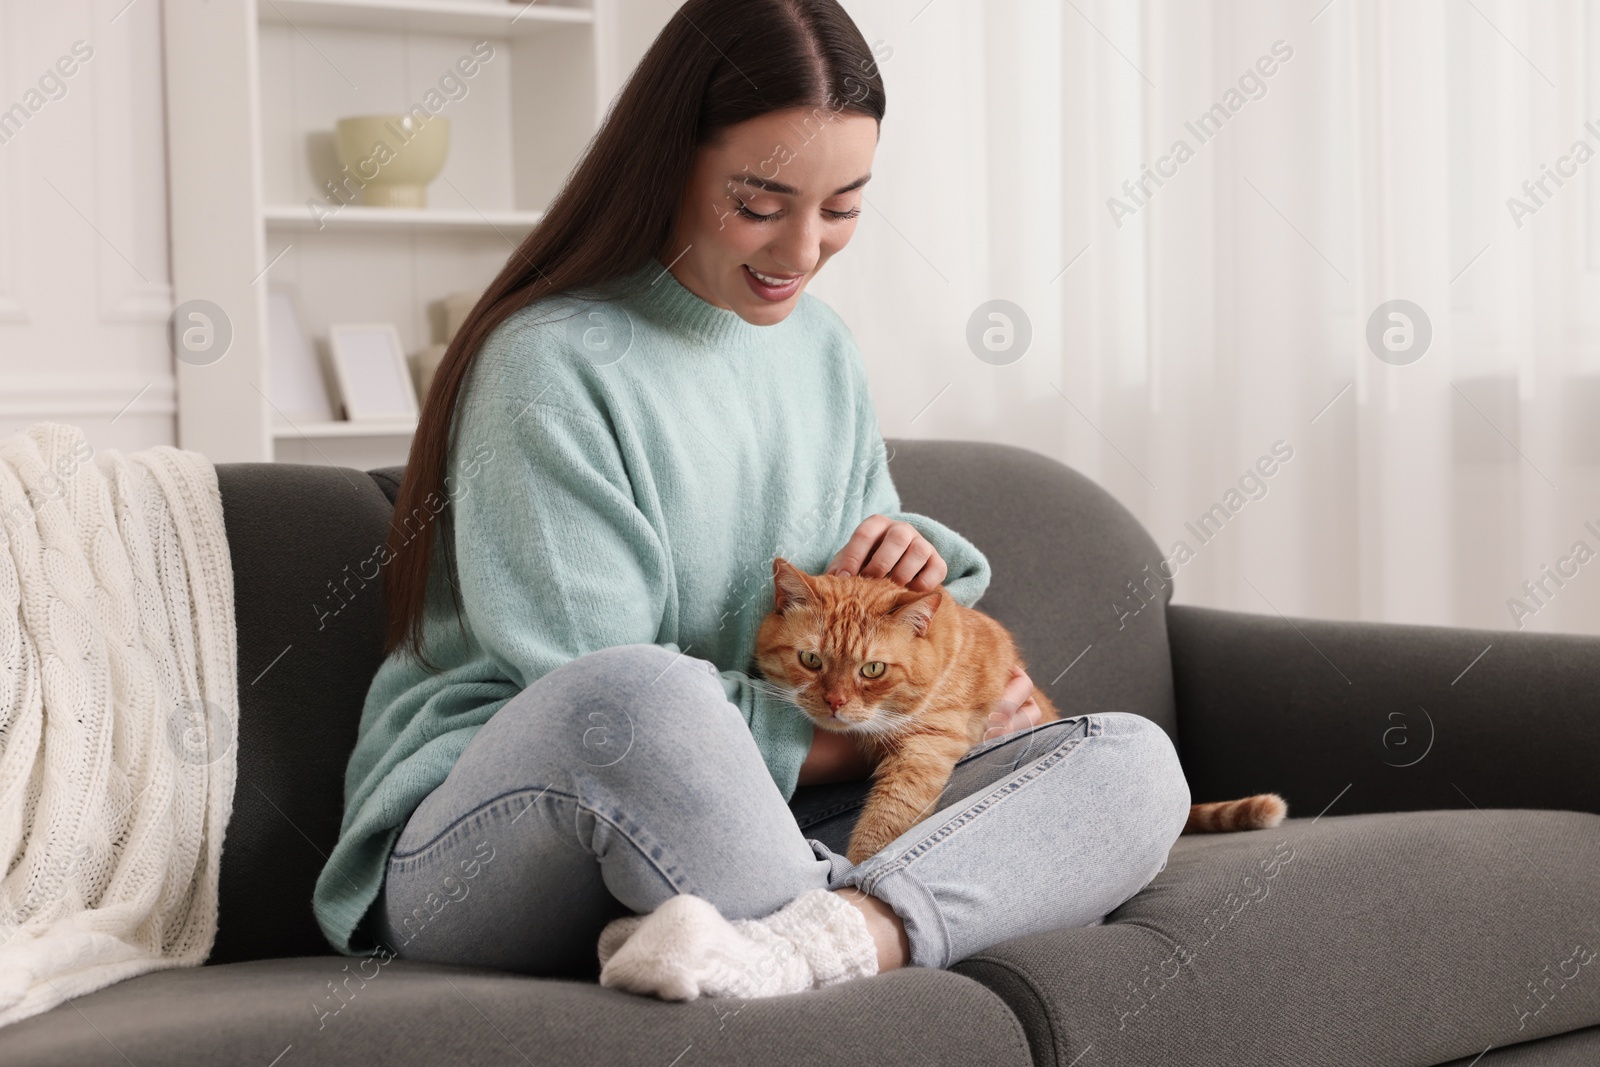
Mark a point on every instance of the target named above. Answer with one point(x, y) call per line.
point(84, 283)
point(84, 273)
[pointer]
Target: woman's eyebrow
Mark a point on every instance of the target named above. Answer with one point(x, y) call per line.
point(779, 187)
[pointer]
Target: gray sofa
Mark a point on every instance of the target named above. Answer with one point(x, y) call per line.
point(1435, 895)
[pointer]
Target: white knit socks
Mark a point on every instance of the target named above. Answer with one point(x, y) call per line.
point(686, 949)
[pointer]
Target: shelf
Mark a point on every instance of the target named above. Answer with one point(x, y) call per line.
point(345, 429)
point(367, 219)
point(466, 18)
point(254, 91)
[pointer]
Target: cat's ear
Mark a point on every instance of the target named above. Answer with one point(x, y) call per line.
point(917, 608)
point(790, 586)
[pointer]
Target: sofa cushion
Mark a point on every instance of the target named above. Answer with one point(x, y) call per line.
point(308, 614)
point(1410, 938)
point(1577, 1048)
point(323, 1011)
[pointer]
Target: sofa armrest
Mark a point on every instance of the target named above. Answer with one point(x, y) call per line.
point(1384, 716)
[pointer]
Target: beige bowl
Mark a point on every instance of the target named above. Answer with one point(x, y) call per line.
point(394, 156)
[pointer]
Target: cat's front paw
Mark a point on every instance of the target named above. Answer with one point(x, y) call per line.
point(865, 845)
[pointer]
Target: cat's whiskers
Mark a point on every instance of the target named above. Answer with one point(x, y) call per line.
point(786, 693)
point(892, 718)
point(885, 738)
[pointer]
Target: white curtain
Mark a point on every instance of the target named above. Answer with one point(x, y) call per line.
point(1340, 155)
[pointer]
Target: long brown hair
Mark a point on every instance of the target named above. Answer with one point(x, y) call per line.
point(716, 64)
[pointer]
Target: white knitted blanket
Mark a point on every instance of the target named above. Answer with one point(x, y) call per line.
point(118, 705)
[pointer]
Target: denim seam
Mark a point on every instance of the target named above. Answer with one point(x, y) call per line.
point(644, 853)
point(813, 818)
point(999, 793)
point(1092, 728)
point(455, 824)
point(984, 748)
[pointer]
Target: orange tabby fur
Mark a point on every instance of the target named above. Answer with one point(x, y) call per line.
point(945, 667)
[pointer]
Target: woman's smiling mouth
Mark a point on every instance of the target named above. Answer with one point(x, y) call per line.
point(771, 287)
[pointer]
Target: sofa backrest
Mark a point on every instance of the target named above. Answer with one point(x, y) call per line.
point(308, 601)
point(310, 640)
point(1072, 570)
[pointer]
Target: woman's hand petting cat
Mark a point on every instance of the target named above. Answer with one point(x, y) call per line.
point(885, 548)
point(1016, 709)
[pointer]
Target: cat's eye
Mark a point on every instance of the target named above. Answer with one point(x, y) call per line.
point(873, 669)
point(810, 659)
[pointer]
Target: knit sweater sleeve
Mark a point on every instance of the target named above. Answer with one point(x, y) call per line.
point(555, 559)
point(968, 568)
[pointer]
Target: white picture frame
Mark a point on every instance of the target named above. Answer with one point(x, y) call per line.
point(299, 391)
point(374, 378)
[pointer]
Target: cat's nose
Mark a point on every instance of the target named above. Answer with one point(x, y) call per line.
point(836, 701)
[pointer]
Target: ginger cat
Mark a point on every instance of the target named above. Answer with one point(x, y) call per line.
point(912, 677)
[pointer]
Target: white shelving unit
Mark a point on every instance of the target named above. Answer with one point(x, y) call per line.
point(483, 18)
point(294, 217)
point(325, 430)
point(254, 90)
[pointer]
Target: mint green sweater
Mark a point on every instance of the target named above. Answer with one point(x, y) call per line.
point(621, 476)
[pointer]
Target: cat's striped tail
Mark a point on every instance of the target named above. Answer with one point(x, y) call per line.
point(1224, 816)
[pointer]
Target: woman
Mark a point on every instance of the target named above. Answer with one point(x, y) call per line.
point(561, 761)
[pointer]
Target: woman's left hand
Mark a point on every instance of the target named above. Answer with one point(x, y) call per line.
point(1016, 709)
point(885, 548)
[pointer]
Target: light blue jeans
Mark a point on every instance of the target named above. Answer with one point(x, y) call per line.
point(625, 776)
